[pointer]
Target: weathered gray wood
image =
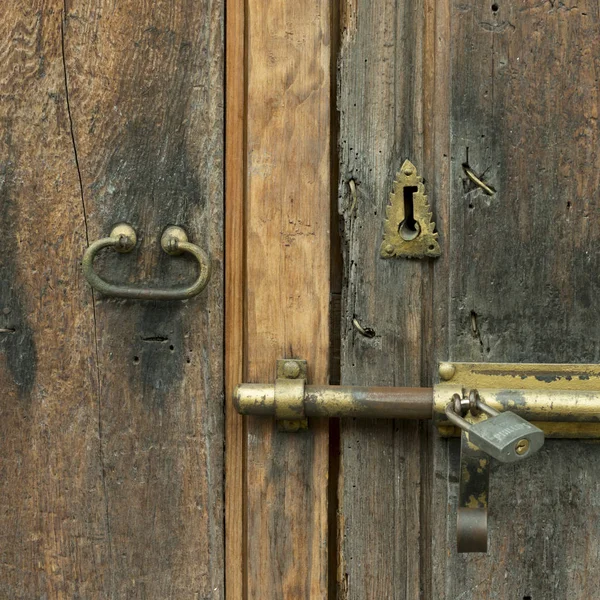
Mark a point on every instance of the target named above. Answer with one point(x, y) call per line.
point(515, 84)
point(520, 284)
point(111, 433)
point(380, 106)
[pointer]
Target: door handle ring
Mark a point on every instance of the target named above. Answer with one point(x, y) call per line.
point(174, 241)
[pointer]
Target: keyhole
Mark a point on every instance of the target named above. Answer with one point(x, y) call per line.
point(409, 229)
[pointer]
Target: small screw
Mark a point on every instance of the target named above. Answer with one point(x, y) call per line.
point(408, 171)
point(522, 447)
point(388, 249)
point(291, 369)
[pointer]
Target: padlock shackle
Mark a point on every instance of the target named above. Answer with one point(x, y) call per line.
point(486, 408)
point(475, 402)
point(455, 418)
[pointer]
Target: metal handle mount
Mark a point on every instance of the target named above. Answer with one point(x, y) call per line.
point(123, 239)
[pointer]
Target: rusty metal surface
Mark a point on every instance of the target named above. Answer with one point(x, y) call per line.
point(372, 402)
point(563, 400)
point(473, 496)
point(342, 401)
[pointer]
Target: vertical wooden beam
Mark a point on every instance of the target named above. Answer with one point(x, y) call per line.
point(518, 282)
point(234, 297)
point(145, 90)
point(381, 124)
point(287, 311)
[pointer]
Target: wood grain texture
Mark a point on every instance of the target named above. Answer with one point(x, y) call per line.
point(53, 530)
point(380, 100)
point(235, 171)
point(112, 411)
point(287, 287)
point(519, 282)
point(145, 89)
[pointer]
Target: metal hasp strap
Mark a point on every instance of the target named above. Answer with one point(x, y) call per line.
point(563, 401)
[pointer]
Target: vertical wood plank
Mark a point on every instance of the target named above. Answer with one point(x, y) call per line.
point(235, 173)
point(287, 265)
point(145, 84)
point(519, 285)
point(380, 96)
point(53, 530)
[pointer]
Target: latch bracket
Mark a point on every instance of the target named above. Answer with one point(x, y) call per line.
point(289, 394)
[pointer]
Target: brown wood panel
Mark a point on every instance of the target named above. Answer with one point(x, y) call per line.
point(520, 283)
point(383, 464)
point(145, 90)
point(287, 287)
point(53, 530)
point(235, 165)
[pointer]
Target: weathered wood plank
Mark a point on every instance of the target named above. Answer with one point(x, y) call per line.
point(53, 534)
point(520, 273)
point(287, 287)
point(235, 164)
point(145, 87)
point(380, 101)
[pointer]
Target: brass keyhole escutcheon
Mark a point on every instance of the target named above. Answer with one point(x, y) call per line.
point(409, 231)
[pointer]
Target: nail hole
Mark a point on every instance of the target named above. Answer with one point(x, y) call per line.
point(495, 7)
point(171, 347)
point(136, 359)
point(409, 229)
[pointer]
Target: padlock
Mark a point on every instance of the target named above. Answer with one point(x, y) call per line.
point(504, 436)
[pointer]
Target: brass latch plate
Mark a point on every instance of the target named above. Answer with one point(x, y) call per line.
point(563, 400)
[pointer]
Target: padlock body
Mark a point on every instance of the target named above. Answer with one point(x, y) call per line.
point(507, 437)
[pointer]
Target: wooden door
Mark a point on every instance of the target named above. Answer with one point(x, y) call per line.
point(509, 90)
point(327, 101)
point(111, 422)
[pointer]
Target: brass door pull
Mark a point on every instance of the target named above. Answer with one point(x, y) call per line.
point(123, 238)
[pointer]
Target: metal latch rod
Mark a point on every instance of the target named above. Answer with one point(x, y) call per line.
point(341, 401)
point(581, 408)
